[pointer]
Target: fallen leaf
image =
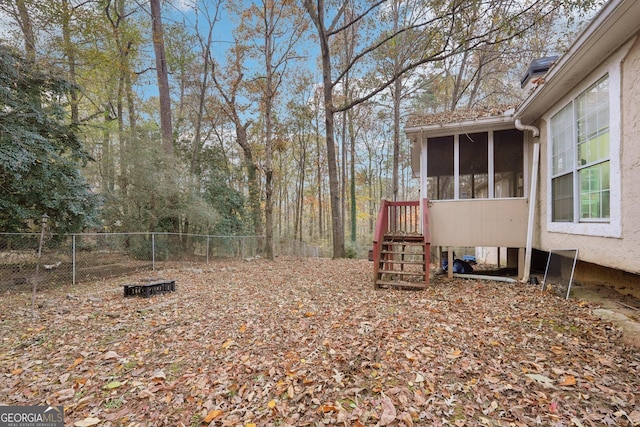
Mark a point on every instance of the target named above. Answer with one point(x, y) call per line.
point(557, 349)
point(326, 408)
point(545, 381)
point(87, 422)
point(577, 422)
point(112, 385)
point(110, 355)
point(606, 362)
point(568, 380)
point(388, 412)
point(17, 371)
point(65, 394)
point(64, 377)
point(75, 363)
point(410, 356)
point(212, 415)
point(454, 354)
point(271, 404)
point(146, 393)
point(159, 376)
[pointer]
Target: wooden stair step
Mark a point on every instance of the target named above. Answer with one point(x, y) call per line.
point(402, 272)
point(401, 252)
point(401, 284)
point(401, 262)
point(403, 236)
point(403, 242)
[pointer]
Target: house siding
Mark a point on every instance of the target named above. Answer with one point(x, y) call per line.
point(614, 252)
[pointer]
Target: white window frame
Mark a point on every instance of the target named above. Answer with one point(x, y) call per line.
point(612, 227)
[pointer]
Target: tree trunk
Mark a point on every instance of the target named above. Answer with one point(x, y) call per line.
point(27, 31)
point(252, 175)
point(319, 176)
point(268, 161)
point(397, 94)
point(69, 50)
point(166, 125)
point(337, 231)
point(163, 81)
point(352, 185)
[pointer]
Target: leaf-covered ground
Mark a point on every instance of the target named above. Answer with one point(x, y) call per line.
point(309, 342)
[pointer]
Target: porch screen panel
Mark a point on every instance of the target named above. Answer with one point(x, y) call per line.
point(508, 163)
point(474, 166)
point(440, 168)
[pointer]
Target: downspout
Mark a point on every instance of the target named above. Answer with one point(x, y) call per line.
point(532, 196)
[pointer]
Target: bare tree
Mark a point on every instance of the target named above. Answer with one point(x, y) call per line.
point(229, 83)
point(163, 81)
point(272, 30)
point(435, 27)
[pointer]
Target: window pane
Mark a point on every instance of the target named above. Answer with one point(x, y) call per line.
point(562, 188)
point(562, 140)
point(592, 121)
point(593, 150)
point(594, 192)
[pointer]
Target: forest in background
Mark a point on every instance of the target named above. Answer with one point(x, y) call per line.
point(274, 118)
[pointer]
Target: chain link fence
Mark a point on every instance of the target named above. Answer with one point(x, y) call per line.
point(75, 258)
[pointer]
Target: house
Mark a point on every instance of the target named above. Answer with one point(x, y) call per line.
point(560, 170)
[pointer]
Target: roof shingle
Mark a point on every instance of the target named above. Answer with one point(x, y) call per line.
point(458, 116)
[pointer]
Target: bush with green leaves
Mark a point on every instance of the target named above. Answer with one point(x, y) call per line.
point(40, 153)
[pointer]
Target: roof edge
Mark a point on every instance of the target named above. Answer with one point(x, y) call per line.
point(611, 28)
point(466, 126)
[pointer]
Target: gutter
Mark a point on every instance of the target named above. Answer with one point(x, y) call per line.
point(532, 196)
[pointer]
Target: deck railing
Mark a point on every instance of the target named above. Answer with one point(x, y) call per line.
point(399, 219)
point(401, 222)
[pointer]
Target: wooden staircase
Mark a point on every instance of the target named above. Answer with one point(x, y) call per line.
point(401, 246)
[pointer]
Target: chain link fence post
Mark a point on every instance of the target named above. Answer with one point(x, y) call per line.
point(73, 259)
point(153, 251)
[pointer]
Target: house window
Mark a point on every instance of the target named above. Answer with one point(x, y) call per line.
point(580, 157)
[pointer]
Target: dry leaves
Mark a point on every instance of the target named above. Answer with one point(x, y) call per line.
point(310, 342)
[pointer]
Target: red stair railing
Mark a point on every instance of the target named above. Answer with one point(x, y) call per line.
point(401, 219)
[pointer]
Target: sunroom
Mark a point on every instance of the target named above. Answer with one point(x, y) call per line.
point(474, 182)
